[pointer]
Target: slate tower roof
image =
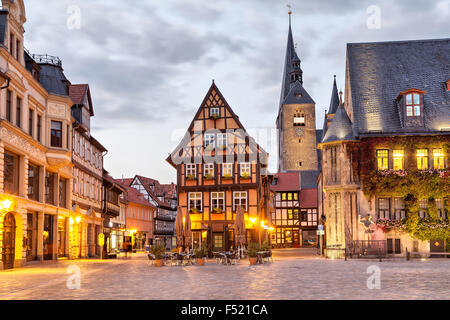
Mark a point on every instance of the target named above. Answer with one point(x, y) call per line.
point(334, 104)
point(340, 129)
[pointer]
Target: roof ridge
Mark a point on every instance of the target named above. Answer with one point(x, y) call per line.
point(399, 41)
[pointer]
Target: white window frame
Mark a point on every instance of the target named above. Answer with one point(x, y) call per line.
point(191, 169)
point(222, 140)
point(209, 140)
point(196, 196)
point(217, 196)
point(208, 167)
point(213, 111)
point(240, 195)
point(246, 167)
point(227, 168)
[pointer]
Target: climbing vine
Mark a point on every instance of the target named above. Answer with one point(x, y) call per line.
point(410, 184)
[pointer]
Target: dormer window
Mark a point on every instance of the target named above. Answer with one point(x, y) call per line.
point(413, 104)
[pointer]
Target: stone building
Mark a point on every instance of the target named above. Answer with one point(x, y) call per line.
point(296, 121)
point(384, 180)
point(220, 168)
point(35, 152)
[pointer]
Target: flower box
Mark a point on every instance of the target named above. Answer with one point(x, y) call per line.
point(245, 176)
point(217, 210)
point(208, 177)
point(227, 177)
point(191, 177)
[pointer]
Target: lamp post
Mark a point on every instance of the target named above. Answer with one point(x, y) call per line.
point(5, 205)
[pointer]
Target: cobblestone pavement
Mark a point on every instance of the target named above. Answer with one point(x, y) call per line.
point(291, 276)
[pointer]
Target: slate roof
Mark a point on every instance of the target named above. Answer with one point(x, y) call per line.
point(334, 104)
point(53, 79)
point(298, 95)
point(308, 179)
point(340, 129)
point(379, 71)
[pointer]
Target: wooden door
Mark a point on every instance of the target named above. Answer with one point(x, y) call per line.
point(296, 238)
point(9, 240)
point(437, 246)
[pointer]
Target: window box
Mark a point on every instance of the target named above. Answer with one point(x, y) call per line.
point(245, 176)
point(191, 177)
point(227, 177)
point(217, 210)
point(194, 211)
point(208, 177)
point(215, 116)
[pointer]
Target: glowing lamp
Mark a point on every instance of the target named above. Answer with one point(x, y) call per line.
point(78, 219)
point(262, 223)
point(71, 221)
point(252, 220)
point(6, 204)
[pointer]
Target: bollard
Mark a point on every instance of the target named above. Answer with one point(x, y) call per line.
point(408, 255)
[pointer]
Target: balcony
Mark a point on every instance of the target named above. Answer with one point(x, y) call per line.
point(112, 209)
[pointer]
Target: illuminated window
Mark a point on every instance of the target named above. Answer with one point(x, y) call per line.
point(240, 199)
point(399, 157)
point(383, 159)
point(209, 170)
point(227, 169)
point(438, 159)
point(245, 169)
point(195, 200)
point(191, 170)
point(422, 159)
point(413, 104)
point(218, 200)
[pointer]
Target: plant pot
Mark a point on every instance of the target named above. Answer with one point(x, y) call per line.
point(159, 263)
point(253, 260)
point(201, 261)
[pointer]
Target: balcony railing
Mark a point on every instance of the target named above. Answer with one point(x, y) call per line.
point(46, 59)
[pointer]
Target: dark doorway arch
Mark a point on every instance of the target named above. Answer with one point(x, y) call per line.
point(9, 241)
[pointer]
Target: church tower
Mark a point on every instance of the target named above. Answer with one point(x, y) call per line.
point(296, 121)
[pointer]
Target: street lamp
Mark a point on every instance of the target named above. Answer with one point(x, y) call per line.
point(5, 205)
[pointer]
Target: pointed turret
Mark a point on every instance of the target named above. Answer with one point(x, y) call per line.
point(334, 104)
point(340, 128)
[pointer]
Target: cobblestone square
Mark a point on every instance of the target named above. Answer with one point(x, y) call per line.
point(291, 276)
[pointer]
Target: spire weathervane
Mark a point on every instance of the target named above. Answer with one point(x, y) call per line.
point(290, 12)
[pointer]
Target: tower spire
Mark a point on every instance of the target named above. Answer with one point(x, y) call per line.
point(334, 104)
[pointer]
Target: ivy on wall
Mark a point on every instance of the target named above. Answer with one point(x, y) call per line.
point(409, 184)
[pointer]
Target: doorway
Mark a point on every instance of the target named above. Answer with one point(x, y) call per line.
point(48, 237)
point(438, 247)
point(218, 242)
point(9, 241)
point(296, 238)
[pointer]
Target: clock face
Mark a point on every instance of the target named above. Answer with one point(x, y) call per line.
point(299, 132)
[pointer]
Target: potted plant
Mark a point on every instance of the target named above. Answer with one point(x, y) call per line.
point(227, 176)
point(191, 177)
point(200, 254)
point(245, 175)
point(252, 250)
point(209, 176)
point(158, 251)
point(217, 210)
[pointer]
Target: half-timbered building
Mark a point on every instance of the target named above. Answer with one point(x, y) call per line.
point(220, 168)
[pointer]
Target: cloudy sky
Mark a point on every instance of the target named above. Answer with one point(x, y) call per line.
point(149, 63)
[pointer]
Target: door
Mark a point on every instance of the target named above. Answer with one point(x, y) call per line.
point(218, 242)
point(9, 240)
point(296, 238)
point(437, 246)
point(48, 237)
point(288, 238)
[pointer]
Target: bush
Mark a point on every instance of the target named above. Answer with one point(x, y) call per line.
point(158, 251)
point(201, 252)
point(252, 249)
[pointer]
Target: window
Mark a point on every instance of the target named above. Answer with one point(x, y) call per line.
point(222, 140)
point(209, 170)
point(245, 170)
point(422, 159)
point(399, 209)
point(33, 182)
point(218, 241)
point(8, 105)
point(384, 209)
point(423, 208)
point(195, 201)
point(30, 122)
point(19, 113)
point(49, 187)
point(11, 44)
point(191, 171)
point(438, 159)
point(62, 193)
point(227, 170)
point(399, 157)
point(440, 208)
point(39, 125)
point(56, 134)
point(240, 199)
point(218, 201)
point(214, 112)
point(17, 49)
point(413, 104)
point(383, 159)
point(68, 137)
point(11, 174)
point(299, 119)
point(209, 140)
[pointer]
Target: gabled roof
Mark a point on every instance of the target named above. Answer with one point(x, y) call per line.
point(298, 95)
point(334, 104)
point(156, 190)
point(379, 71)
point(79, 93)
point(308, 198)
point(132, 195)
point(340, 128)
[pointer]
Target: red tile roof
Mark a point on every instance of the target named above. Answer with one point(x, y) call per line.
point(286, 181)
point(77, 92)
point(308, 198)
point(132, 195)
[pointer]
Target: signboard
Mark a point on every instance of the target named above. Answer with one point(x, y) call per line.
point(320, 232)
point(320, 227)
point(101, 239)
